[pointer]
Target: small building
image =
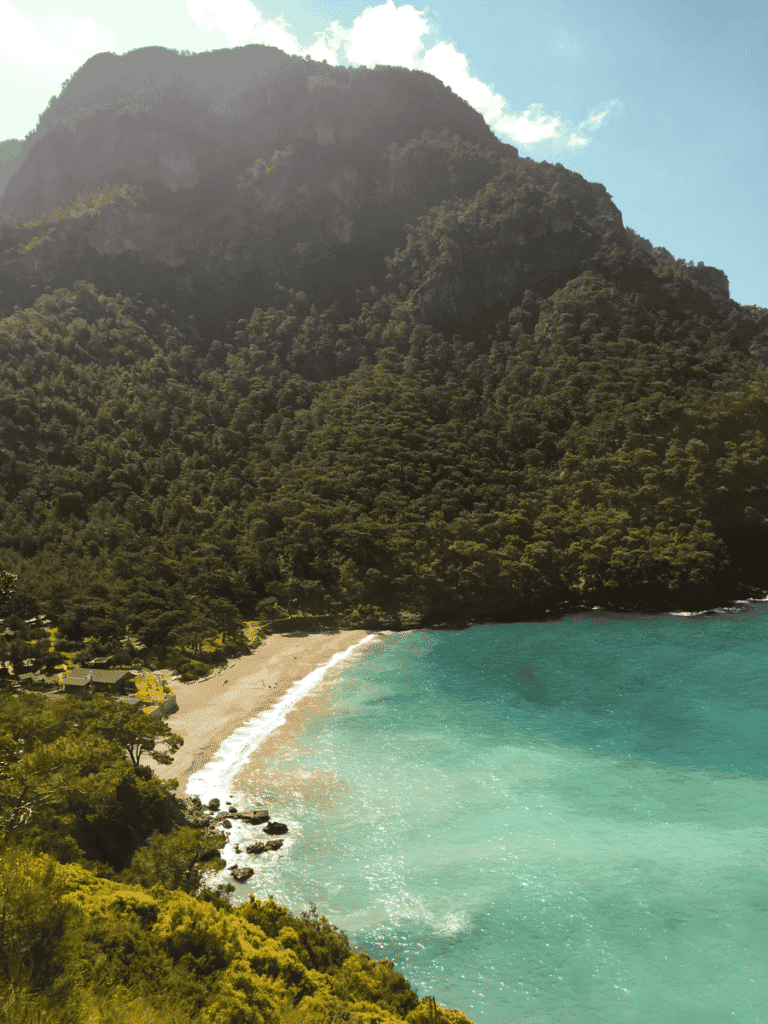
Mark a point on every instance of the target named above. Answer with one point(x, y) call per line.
point(78, 684)
point(101, 680)
point(36, 681)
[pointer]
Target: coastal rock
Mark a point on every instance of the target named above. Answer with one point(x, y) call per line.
point(257, 817)
point(214, 804)
point(226, 823)
point(275, 828)
point(257, 848)
point(241, 874)
point(186, 812)
point(218, 819)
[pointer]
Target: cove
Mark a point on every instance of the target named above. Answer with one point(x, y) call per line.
point(557, 821)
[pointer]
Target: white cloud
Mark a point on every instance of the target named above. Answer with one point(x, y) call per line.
point(60, 41)
point(54, 40)
point(328, 43)
point(526, 128)
point(19, 32)
point(446, 63)
point(596, 118)
point(387, 35)
point(530, 127)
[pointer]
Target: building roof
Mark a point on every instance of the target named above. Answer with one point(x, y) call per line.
point(99, 675)
point(35, 677)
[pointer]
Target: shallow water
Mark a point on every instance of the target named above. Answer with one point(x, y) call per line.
point(546, 822)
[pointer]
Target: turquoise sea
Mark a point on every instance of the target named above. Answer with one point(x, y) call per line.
point(559, 822)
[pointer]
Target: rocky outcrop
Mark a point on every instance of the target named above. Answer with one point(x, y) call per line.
point(710, 278)
point(8, 169)
point(207, 180)
point(186, 120)
point(210, 815)
point(190, 811)
point(257, 848)
point(256, 817)
point(247, 165)
point(241, 874)
point(275, 828)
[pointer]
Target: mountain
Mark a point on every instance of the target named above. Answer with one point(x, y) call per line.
point(309, 346)
point(280, 337)
point(10, 160)
point(227, 172)
point(239, 167)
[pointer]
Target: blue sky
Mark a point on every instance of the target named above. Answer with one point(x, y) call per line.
point(665, 103)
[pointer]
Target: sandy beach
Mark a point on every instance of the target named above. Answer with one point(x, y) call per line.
point(211, 709)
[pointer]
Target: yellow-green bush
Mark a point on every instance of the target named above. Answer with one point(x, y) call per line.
point(151, 687)
point(430, 1012)
point(76, 948)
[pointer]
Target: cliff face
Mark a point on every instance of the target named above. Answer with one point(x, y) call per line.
point(246, 163)
point(177, 120)
point(215, 176)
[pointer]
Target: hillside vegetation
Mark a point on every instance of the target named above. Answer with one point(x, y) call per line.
point(289, 344)
point(603, 444)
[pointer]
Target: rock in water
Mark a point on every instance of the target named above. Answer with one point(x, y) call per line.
point(275, 828)
point(256, 817)
point(241, 874)
point(257, 848)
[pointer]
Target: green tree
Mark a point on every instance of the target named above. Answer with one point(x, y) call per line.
point(133, 730)
point(37, 928)
point(178, 860)
point(7, 589)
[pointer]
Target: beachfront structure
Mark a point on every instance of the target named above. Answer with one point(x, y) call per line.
point(81, 680)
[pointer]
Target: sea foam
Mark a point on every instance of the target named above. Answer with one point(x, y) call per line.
point(215, 779)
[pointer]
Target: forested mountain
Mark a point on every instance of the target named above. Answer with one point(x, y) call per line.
point(278, 338)
point(283, 337)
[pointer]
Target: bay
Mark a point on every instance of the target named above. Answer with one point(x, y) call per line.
point(542, 821)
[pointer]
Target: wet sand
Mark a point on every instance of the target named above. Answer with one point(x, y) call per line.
point(211, 709)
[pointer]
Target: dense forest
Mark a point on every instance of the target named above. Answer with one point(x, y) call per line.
point(290, 343)
point(601, 444)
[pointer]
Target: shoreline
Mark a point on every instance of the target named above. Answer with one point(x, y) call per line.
point(212, 710)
